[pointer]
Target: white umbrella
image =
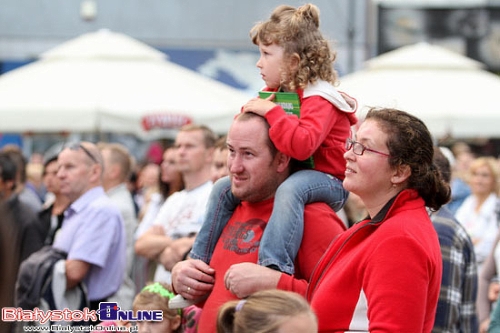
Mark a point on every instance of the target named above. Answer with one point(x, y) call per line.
point(451, 93)
point(109, 82)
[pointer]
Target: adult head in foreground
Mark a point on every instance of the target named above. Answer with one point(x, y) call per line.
point(385, 271)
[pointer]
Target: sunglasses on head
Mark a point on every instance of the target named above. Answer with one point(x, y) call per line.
point(77, 146)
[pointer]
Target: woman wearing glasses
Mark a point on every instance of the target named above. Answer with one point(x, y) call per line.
point(384, 273)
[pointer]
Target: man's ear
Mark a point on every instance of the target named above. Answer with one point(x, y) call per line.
point(209, 157)
point(116, 170)
point(97, 172)
point(401, 174)
point(283, 161)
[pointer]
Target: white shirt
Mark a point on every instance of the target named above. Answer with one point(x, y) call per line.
point(482, 226)
point(181, 215)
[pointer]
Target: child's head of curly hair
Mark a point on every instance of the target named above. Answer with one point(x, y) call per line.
point(297, 31)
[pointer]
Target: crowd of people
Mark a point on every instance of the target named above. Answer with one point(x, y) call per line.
point(385, 232)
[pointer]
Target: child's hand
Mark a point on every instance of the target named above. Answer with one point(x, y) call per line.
point(259, 106)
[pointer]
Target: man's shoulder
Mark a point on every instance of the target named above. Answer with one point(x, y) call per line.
point(450, 232)
point(122, 198)
point(319, 207)
point(21, 211)
point(102, 207)
point(203, 188)
point(102, 203)
point(119, 191)
point(320, 212)
point(202, 191)
point(443, 219)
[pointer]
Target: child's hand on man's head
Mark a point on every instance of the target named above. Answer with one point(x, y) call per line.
point(259, 106)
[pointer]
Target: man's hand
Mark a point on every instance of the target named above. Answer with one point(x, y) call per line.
point(493, 291)
point(192, 278)
point(246, 278)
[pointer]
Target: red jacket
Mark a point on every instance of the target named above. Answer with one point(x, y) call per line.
point(381, 275)
point(326, 117)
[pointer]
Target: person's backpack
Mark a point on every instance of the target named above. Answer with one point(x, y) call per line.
point(33, 274)
point(41, 284)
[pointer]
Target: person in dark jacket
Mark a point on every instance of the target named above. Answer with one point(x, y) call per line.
point(28, 234)
point(51, 216)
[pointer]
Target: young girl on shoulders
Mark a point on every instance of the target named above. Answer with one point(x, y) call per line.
point(294, 57)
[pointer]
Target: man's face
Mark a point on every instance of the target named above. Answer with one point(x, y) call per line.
point(75, 172)
point(192, 155)
point(253, 171)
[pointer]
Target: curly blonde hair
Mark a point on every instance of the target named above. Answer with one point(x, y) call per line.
point(297, 31)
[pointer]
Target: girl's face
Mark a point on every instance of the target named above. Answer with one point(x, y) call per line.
point(167, 325)
point(270, 63)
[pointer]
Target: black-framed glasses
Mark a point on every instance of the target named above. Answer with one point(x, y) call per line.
point(359, 149)
point(77, 146)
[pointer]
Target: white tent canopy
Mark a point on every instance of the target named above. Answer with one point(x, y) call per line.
point(451, 93)
point(109, 82)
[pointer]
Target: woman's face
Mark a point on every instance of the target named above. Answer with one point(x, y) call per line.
point(169, 170)
point(369, 175)
point(482, 181)
point(50, 177)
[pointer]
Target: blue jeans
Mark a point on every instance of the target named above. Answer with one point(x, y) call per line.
point(283, 234)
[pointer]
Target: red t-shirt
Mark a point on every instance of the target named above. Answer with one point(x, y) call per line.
point(239, 242)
